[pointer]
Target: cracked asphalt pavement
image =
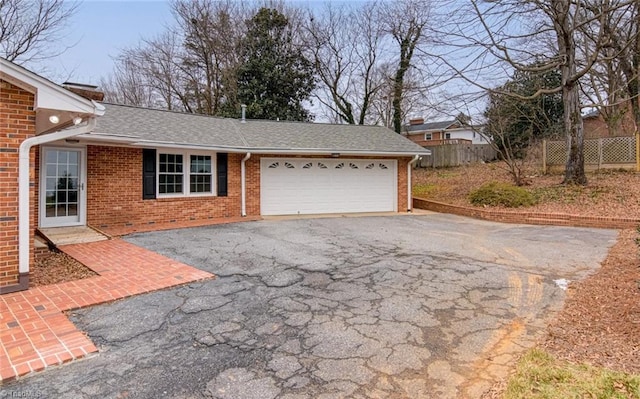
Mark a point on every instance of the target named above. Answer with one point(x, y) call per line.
point(429, 306)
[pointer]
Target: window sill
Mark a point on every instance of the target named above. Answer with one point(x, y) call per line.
point(184, 196)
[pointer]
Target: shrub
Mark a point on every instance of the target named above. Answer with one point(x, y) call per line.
point(495, 194)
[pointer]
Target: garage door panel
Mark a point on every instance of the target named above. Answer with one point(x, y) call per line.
point(307, 186)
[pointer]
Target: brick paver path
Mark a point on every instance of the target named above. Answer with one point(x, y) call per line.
point(34, 333)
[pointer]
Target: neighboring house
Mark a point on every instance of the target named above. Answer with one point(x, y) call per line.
point(66, 160)
point(445, 132)
point(595, 127)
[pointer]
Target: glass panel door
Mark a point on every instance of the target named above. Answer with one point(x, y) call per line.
point(62, 187)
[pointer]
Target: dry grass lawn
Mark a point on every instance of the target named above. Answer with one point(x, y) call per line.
point(609, 193)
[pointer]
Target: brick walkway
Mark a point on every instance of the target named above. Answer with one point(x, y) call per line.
point(34, 333)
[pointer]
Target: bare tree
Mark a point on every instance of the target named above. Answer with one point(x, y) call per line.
point(406, 21)
point(149, 74)
point(622, 59)
point(192, 67)
point(415, 98)
point(160, 60)
point(513, 150)
point(32, 30)
point(212, 31)
point(515, 34)
point(127, 85)
point(363, 61)
point(346, 47)
point(604, 87)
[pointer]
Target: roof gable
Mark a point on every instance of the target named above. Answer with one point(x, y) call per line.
point(48, 94)
point(50, 99)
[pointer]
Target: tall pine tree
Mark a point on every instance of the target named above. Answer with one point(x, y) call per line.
point(275, 77)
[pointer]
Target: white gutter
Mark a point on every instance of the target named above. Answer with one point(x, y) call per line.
point(409, 191)
point(243, 188)
point(23, 184)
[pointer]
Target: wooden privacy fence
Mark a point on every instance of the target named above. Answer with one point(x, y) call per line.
point(457, 154)
point(609, 152)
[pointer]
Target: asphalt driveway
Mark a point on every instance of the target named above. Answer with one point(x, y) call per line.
point(369, 307)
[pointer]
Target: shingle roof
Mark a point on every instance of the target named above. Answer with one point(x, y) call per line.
point(143, 125)
point(430, 126)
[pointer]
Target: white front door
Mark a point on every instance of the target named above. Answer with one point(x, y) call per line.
point(62, 187)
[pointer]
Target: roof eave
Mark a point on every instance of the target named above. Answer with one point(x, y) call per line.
point(135, 142)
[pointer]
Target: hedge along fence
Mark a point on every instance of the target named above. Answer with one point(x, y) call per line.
point(602, 153)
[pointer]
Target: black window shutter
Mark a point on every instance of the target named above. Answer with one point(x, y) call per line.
point(148, 174)
point(221, 168)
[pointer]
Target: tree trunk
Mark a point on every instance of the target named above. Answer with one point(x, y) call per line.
point(397, 101)
point(406, 52)
point(574, 171)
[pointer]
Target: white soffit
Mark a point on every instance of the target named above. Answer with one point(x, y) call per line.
point(48, 95)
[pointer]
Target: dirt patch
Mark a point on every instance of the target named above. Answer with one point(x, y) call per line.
point(57, 267)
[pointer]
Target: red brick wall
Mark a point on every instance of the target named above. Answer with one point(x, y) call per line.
point(596, 127)
point(526, 217)
point(253, 185)
point(416, 138)
point(402, 184)
point(114, 192)
point(17, 123)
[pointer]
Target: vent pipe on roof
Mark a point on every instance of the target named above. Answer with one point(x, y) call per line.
point(244, 113)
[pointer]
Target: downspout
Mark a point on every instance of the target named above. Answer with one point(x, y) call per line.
point(23, 185)
point(243, 188)
point(409, 191)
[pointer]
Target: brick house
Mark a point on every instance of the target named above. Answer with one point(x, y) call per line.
point(444, 132)
point(66, 160)
point(595, 126)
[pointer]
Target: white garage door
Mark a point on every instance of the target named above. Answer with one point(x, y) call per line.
point(333, 185)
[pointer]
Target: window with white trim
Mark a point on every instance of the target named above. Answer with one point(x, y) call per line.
point(200, 176)
point(175, 178)
point(447, 136)
point(428, 136)
point(170, 174)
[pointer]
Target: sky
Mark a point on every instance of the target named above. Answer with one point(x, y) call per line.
point(98, 31)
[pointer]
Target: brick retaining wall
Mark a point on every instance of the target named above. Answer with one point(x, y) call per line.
point(525, 217)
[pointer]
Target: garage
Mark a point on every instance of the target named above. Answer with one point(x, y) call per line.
point(292, 186)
